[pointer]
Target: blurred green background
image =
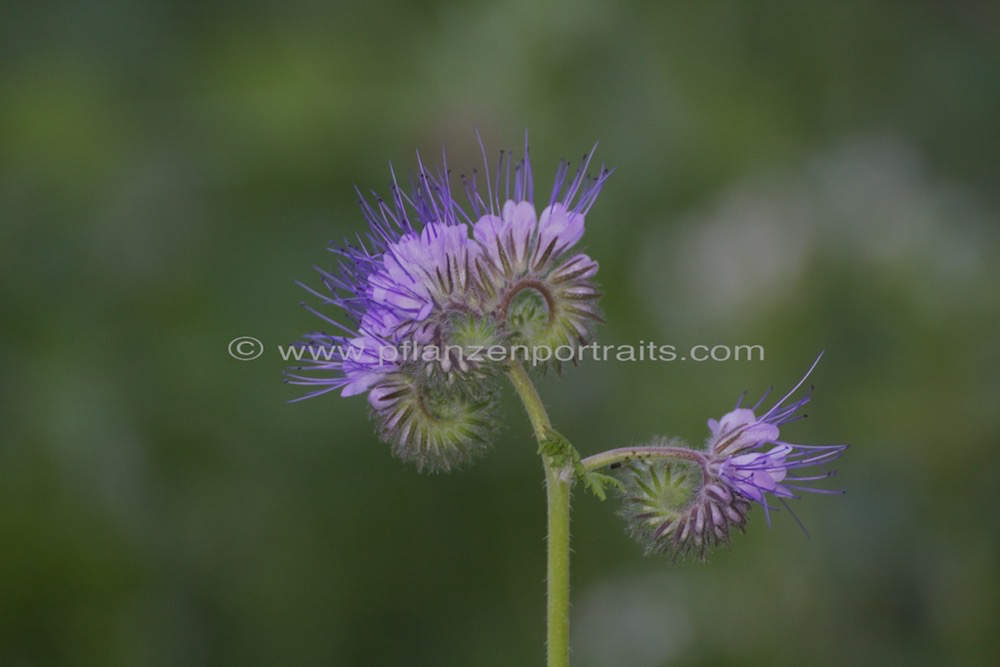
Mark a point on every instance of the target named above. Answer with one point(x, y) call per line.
point(800, 175)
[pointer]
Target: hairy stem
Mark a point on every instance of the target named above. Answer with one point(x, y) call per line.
point(624, 454)
point(532, 401)
point(558, 483)
point(614, 457)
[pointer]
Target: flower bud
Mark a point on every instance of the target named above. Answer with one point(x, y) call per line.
point(438, 428)
point(677, 507)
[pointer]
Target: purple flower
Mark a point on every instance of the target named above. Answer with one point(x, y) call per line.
point(432, 275)
point(415, 262)
point(681, 501)
point(426, 257)
point(748, 454)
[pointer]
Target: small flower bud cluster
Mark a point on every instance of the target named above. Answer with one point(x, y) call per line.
point(672, 506)
point(684, 502)
point(451, 281)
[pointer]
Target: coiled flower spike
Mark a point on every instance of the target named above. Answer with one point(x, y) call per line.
point(682, 501)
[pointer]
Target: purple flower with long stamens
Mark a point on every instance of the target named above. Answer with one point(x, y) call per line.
point(682, 501)
point(432, 278)
point(413, 264)
point(533, 286)
point(747, 451)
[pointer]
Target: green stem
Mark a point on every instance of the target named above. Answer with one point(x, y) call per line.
point(558, 492)
point(625, 454)
point(532, 401)
point(558, 483)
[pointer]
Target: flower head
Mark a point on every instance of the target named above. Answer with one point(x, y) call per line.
point(541, 293)
point(433, 279)
point(745, 461)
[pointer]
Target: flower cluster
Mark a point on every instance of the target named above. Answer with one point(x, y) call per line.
point(682, 501)
point(436, 275)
